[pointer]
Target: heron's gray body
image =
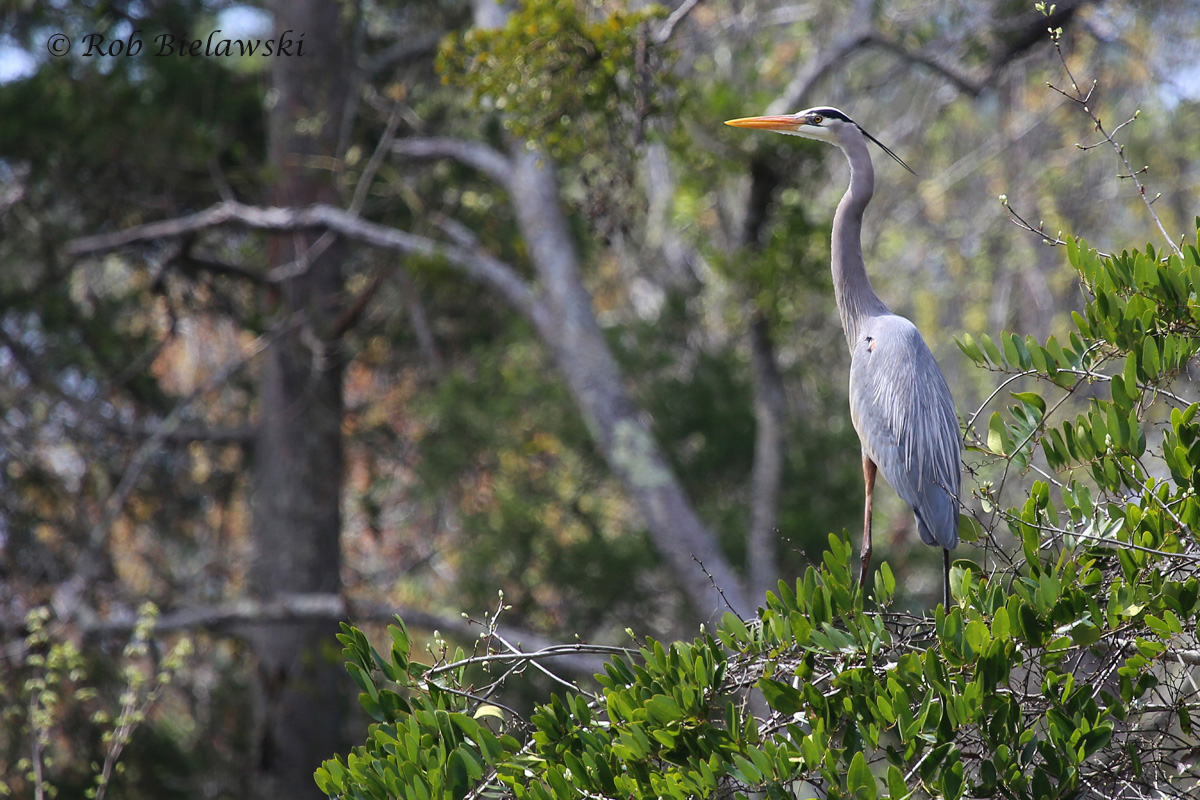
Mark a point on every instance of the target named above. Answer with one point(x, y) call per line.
point(901, 408)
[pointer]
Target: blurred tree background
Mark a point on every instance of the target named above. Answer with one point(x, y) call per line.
point(589, 341)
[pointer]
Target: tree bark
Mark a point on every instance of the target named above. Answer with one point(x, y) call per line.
point(770, 415)
point(298, 455)
point(594, 379)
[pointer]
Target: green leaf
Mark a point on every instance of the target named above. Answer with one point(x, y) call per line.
point(969, 529)
point(1023, 355)
point(1000, 624)
point(1120, 397)
point(488, 710)
point(1130, 373)
point(952, 781)
point(998, 439)
point(562, 789)
point(889, 580)
point(1033, 399)
point(993, 352)
point(1041, 358)
point(663, 709)
point(363, 679)
point(782, 697)
point(897, 789)
point(1150, 362)
point(733, 624)
point(970, 348)
point(1011, 353)
point(860, 780)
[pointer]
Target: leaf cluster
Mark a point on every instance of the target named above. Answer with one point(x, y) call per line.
point(565, 75)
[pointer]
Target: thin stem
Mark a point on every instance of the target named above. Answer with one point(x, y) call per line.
point(1084, 101)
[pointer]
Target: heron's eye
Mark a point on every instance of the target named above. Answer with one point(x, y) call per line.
point(816, 119)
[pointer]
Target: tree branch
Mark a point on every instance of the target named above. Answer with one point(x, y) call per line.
point(322, 607)
point(476, 263)
point(478, 156)
point(961, 82)
point(677, 16)
point(194, 263)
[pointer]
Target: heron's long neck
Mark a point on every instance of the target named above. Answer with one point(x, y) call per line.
point(856, 300)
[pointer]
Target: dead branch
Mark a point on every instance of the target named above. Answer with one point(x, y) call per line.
point(478, 156)
point(579, 658)
point(476, 264)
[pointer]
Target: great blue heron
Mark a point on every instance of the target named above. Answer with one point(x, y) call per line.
point(899, 402)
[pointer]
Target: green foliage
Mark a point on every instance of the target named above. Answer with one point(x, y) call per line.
point(1062, 673)
point(579, 66)
point(45, 695)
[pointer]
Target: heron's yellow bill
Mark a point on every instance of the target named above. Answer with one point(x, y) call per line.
point(774, 123)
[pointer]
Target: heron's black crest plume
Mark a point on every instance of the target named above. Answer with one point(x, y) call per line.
point(885, 149)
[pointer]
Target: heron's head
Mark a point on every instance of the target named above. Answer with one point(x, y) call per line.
point(823, 123)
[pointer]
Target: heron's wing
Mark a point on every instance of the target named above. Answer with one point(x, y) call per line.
point(904, 414)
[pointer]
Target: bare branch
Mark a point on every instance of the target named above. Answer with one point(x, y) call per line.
point(1083, 100)
point(963, 83)
point(582, 659)
point(373, 164)
point(677, 16)
point(595, 381)
point(476, 264)
point(1039, 229)
point(478, 156)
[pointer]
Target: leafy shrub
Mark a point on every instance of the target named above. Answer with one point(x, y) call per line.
point(1064, 669)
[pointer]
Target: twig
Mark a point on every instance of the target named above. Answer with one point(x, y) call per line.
point(720, 591)
point(1077, 96)
point(376, 160)
point(668, 27)
point(971, 420)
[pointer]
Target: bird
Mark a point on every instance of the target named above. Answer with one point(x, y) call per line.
point(900, 404)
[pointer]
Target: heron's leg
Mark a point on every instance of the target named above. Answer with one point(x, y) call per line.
point(945, 579)
point(869, 470)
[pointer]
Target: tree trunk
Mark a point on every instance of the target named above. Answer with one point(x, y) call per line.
point(596, 382)
point(298, 457)
point(770, 415)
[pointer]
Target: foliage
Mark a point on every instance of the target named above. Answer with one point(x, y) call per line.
point(55, 682)
point(583, 68)
point(1062, 670)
